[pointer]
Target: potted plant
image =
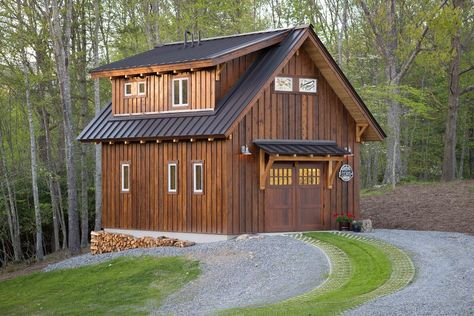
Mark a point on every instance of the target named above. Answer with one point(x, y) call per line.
point(356, 226)
point(344, 220)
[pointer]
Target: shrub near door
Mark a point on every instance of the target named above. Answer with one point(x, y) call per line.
point(344, 220)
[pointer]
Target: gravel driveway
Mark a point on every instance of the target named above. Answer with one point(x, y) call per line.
point(444, 284)
point(253, 271)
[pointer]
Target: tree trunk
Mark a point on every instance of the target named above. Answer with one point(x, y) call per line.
point(98, 147)
point(449, 155)
point(82, 82)
point(61, 48)
point(463, 155)
point(50, 181)
point(34, 165)
point(13, 221)
point(341, 33)
point(471, 154)
point(62, 222)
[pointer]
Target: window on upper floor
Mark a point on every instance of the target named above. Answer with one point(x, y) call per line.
point(128, 89)
point(141, 88)
point(180, 91)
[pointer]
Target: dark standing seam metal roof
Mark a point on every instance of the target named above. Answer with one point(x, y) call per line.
point(300, 147)
point(176, 52)
point(212, 123)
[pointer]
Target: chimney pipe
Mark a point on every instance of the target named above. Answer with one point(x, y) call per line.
point(199, 38)
point(186, 32)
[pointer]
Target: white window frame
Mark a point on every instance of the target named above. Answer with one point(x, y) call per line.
point(138, 87)
point(195, 165)
point(124, 165)
point(301, 82)
point(175, 165)
point(180, 88)
point(280, 88)
point(125, 89)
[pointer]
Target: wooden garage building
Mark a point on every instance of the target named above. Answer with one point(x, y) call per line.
point(230, 135)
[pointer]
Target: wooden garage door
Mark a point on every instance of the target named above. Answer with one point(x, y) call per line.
point(293, 197)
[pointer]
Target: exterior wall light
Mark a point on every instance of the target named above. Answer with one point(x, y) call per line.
point(244, 150)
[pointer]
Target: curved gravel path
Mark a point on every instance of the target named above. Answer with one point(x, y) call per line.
point(444, 281)
point(259, 270)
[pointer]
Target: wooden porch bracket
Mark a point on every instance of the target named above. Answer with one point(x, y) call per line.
point(218, 71)
point(265, 169)
point(331, 174)
point(360, 129)
point(334, 163)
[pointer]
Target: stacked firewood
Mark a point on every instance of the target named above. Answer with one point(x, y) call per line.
point(103, 242)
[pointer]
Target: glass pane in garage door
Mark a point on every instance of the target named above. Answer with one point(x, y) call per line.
point(309, 176)
point(281, 176)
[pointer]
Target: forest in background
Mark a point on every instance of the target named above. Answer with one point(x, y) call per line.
point(411, 61)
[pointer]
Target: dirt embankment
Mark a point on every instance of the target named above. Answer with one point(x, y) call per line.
point(434, 206)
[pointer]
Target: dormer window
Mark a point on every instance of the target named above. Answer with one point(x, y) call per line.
point(180, 92)
point(141, 88)
point(128, 89)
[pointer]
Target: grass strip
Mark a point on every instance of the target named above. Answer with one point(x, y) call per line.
point(127, 285)
point(359, 268)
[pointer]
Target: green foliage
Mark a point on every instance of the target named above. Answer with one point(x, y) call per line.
point(126, 285)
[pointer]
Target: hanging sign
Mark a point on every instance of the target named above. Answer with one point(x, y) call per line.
point(346, 173)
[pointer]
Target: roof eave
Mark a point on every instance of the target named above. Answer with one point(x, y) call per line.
point(348, 86)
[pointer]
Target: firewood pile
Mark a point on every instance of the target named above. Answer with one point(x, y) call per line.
point(103, 242)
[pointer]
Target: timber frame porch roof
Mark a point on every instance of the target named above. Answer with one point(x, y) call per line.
point(300, 147)
point(230, 109)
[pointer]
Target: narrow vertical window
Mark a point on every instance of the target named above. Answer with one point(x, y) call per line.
point(198, 177)
point(141, 88)
point(128, 89)
point(180, 92)
point(172, 177)
point(125, 173)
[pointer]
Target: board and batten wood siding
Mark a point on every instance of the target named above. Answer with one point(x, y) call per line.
point(231, 73)
point(159, 93)
point(320, 116)
point(148, 205)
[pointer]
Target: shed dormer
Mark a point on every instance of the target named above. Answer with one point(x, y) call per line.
point(184, 76)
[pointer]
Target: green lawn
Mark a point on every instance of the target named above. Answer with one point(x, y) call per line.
point(370, 269)
point(128, 285)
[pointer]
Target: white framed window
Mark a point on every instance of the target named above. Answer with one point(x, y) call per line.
point(125, 176)
point(180, 92)
point(128, 89)
point(198, 176)
point(172, 177)
point(308, 85)
point(141, 87)
point(283, 84)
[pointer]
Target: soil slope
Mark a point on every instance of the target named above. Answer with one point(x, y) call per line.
point(433, 206)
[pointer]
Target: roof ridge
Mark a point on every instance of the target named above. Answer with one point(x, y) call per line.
point(238, 35)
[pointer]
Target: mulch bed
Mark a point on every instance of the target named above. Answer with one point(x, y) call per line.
point(434, 206)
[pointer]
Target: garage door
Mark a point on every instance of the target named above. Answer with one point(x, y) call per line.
point(293, 197)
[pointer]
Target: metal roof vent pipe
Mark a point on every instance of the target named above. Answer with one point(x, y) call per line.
point(199, 38)
point(186, 32)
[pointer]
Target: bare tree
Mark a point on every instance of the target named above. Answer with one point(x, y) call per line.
point(34, 164)
point(387, 38)
point(60, 40)
point(13, 220)
point(454, 92)
point(98, 147)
